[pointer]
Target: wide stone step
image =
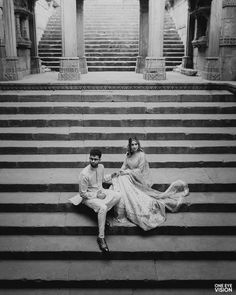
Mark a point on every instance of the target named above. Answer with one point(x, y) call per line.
point(111, 68)
point(58, 202)
point(110, 58)
point(50, 55)
point(47, 42)
point(116, 146)
point(169, 53)
point(118, 120)
point(116, 160)
point(112, 46)
point(108, 50)
point(132, 54)
point(216, 109)
point(66, 179)
point(79, 223)
point(173, 50)
point(108, 63)
point(95, 291)
point(170, 46)
point(51, 36)
point(111, 41)
point(121, 247)
point(120, 133)
point(106, 100)
point(51, 63)
point(110, 35)
point(134, 273)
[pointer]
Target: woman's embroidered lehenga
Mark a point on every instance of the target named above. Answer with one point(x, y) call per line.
point(140, 203)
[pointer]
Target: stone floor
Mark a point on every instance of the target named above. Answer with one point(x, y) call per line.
point(114, 77)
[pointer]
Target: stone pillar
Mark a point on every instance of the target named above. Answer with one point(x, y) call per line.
point(69, 67)
point(35, 65)
point(80, 37)
point(2, 34)
point(143, 36)
point(155, 63)
point(9, 68)
point(228, 40)
point(187, 60)
point(213, 64)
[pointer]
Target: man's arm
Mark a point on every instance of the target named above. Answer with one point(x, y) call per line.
point(83, 188)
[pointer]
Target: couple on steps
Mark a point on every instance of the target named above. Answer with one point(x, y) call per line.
point(130, 192)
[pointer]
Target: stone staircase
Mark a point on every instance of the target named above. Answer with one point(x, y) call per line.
point(173, 47)
point(50, 45)
point(111, 34)
point(111, 37)
point(48, 246)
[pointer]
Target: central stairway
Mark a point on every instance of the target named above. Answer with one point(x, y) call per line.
point(111, 34)
point(48, 246)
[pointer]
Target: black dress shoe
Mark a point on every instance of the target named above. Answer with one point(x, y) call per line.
point(102, 245)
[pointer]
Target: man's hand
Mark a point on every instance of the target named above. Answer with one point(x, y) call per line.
point(115, 174)
point(101, 195)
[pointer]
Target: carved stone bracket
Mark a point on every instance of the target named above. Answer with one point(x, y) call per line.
point(229, 3)
point(201, 42)
point(228, 41)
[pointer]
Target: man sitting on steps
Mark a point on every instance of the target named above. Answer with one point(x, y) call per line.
point(94, 196)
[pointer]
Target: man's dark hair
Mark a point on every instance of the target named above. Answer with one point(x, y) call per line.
point(95, 152)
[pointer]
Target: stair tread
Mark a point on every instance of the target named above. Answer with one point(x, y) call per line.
point(58, 198)
point(152, 158)
point(117, 143)
point(122, 130)
point(161, 175)
point(115, 92)
point(82, 220)
point(117, 243)
point(118, 270)
point(116, 117)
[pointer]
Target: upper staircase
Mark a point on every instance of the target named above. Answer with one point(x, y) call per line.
point(50, 45)
point(48, 246)
point(173, 47)
point(111, 34)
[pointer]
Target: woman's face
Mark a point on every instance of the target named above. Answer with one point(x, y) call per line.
point(134, 146)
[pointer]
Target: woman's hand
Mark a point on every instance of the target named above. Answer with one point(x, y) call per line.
point(101, 195)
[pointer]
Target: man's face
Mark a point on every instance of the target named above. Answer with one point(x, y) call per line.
point(94, 161)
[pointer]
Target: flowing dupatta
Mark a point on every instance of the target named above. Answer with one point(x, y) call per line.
point(141, 204)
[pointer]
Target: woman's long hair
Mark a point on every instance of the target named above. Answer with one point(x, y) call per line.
point(129, 149)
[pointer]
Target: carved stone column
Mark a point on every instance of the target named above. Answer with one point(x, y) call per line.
point(212, 67)
point(80, 37)
point(2, 34)
point(143, 36)
point(35, 60)
point(69, 67)
point(9, 67)
point(187, 60)
point(228, 40)
point(155, 63)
